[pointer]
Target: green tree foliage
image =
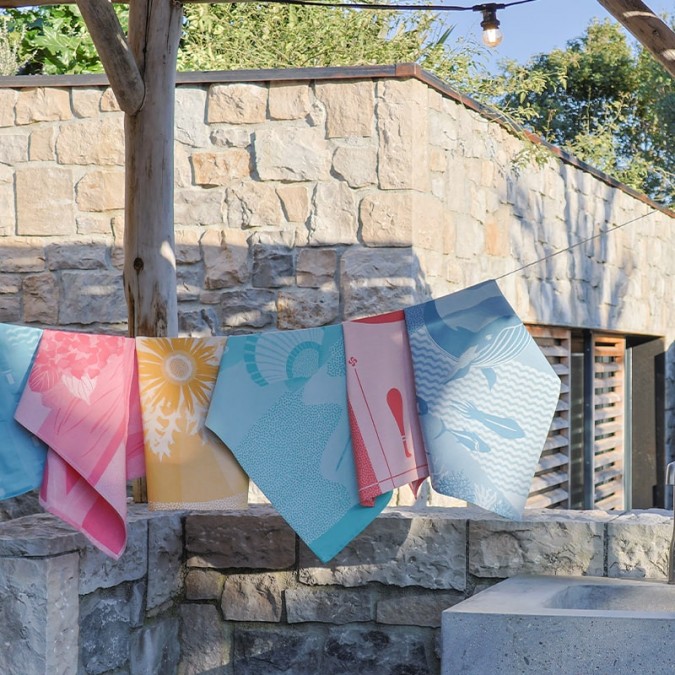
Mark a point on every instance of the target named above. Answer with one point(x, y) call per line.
point(251, 35)
point(608, 103)
point(54, 40)
point(611, 105)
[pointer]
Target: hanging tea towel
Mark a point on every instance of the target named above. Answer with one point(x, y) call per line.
point(386, 436)
point(188, 467)
point(79, 400)
point(280, 404)
point(486, 397)
point(22, 455)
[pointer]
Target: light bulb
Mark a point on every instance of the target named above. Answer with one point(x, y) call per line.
point(492, 36)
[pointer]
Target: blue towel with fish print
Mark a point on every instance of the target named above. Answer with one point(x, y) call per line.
point(280, 405)
point(22, 455)
point(486, 396)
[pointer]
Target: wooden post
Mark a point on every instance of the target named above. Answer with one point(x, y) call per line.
point(142, 73)
point(149, 244)
point(149, 258)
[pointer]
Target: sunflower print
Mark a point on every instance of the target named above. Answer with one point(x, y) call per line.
point(187, 466)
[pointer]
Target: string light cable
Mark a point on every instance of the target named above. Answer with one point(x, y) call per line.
point(492, 35)
point(597, 235)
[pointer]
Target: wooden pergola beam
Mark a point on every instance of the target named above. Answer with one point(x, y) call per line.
point(655, 35)
point(115, 54)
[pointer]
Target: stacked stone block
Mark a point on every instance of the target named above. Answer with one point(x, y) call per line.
point(237, 591)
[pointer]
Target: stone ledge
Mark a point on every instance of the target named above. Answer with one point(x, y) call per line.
point(38, 535)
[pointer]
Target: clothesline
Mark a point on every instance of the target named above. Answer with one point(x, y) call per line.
point(326, 421)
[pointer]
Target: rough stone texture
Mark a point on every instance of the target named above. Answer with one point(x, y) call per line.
point(204, 585)
point(16, 507)
point(107, 618)
point(85, 102)
point(265, 650)
point(237, 103)
point(416, 607)
point(253, 204)
point(231, 137)
point(190, 126)
point(305, 308)
point(101, 191)
point(356, 164)
point(38, 535)
point(165, 559)
point(42, 144)
point(94, 141)
point(248, 309)
point(373, 281)
point(90, 297)
point(43, 104)
point(255, 597)
point(378, 651)
point(638, 545)
point(82, 254)
point(22, 255)
point(109, 102)
point(292, 153)
point(257, 538)
point(206, 642)
point(97, 570)
point(155, 649)
point(316, 267)
point(8, 98)
point(333, 605)
point(294, 202)
point(44, 201)
point(225, 258)
point(398, 549)
point(402, 132)
point(387, 219)
point(13, 148)
point(334, 218)
point(272, 266)
point(38, 614)
point(288, 101)
point(221, 168)
point(7, 204)
point(349, 108)
point(40, 299)
point(204, 207)
point(501, 548)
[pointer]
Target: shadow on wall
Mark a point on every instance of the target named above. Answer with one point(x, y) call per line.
point(224, 288)
point(587, 285)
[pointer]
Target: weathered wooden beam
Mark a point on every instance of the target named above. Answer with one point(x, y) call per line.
point(114, 52)
point(655, 35)
point(149, 259)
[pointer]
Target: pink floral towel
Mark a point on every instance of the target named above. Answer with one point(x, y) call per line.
point(82, 400)
point(386, 435)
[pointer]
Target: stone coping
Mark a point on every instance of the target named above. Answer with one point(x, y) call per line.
point(43, 534)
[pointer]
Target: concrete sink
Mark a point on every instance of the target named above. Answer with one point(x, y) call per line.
point(562, 625)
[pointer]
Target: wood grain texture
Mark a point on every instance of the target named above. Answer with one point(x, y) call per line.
point(114, 52)
point(149, 258)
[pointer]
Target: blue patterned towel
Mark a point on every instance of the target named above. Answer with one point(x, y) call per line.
point(486, 396)
point(22, 455)
point(280, 405)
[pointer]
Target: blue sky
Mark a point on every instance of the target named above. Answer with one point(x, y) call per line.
point(540, 26)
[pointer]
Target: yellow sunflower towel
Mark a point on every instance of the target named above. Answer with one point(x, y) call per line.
point(187, 466)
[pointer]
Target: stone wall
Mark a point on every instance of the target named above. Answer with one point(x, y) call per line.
point(237, 592)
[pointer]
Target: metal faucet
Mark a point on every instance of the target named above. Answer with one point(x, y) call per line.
point(670, 480)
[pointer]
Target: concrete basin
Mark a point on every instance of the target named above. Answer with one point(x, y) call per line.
point(562, 625)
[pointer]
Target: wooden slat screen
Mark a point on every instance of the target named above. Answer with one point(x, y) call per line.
point(550, 486)
point(608, 421)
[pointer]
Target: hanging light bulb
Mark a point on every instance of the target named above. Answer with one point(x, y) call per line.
point(492, 36)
